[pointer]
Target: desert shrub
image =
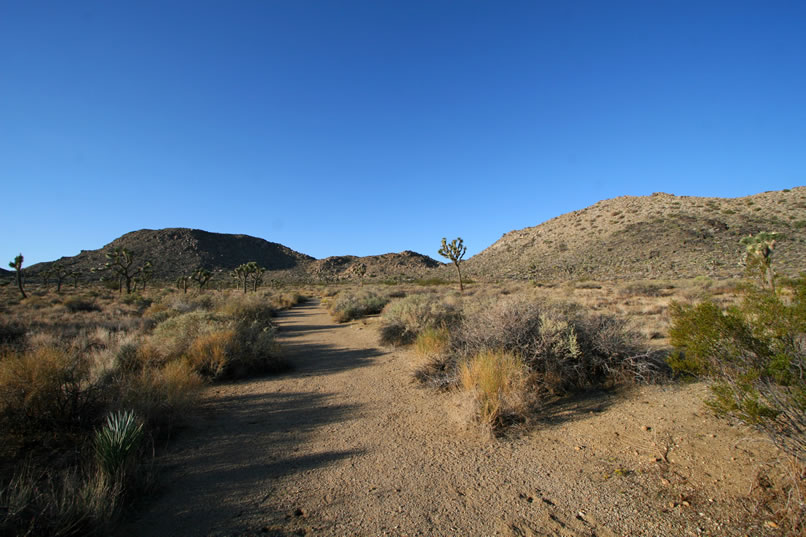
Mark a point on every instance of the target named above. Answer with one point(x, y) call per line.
point(137, 300)
point(254, 350)
point(209, 354)
point(755, 355)
point(563, 347)
point(650, 289)
point(127, 358)
point(432, 341)
point(79, 304)
point(174, 336)
point(70, 504)
point(497, 380)
point(432, 281)
point(349, 305)
point(404, 319)
point(236, 342)
point(45, 390)
point(286, 300)
point(12, 333)
point(159, 395)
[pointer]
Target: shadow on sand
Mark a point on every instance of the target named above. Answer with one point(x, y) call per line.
point(235, 458)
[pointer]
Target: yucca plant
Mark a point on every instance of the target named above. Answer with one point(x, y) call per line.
point(117, 441)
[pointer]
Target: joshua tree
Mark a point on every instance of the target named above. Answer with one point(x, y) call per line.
point(75, 275)
point(121, 263)
point(455, 251)
point(60, 274)
point(241, 275)
point(145, 274)
point(201, 276)
point(759, 255)
point(17, 266)
point(182, 282)
point(255, 272)
point(45, 274)
point(360, 269)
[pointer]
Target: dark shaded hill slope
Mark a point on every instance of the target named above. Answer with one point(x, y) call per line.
point(176, 251)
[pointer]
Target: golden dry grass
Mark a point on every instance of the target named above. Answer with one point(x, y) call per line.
point(497, 380)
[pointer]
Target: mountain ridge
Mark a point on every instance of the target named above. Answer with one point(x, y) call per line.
point(660, 236)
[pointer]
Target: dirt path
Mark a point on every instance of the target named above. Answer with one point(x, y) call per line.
point(347, 445)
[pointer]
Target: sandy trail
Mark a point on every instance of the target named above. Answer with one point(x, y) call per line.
point(347, 445)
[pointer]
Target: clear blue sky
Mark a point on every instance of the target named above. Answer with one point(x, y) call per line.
point(364, 127)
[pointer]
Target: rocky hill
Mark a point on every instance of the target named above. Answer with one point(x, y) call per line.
point(657, 236)
point(400, 266)
point(176, 251)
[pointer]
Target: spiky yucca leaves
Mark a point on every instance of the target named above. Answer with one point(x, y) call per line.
point(117, 441)
point(455, 251)
point(17, 266)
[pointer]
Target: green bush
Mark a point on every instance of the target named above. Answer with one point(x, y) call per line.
point(755, 354)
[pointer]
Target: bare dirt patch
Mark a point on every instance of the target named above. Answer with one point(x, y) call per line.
point(347, 445)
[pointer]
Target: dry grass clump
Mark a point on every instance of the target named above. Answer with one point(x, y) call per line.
point(349, 304)
point(432, 342)
point(73, 504)
point(404, 319)
point(498, 381)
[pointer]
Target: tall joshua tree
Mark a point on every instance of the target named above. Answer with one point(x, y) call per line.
point(17, 266)
point(455, 251)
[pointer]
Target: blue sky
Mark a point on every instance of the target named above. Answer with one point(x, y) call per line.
point(364, 127)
